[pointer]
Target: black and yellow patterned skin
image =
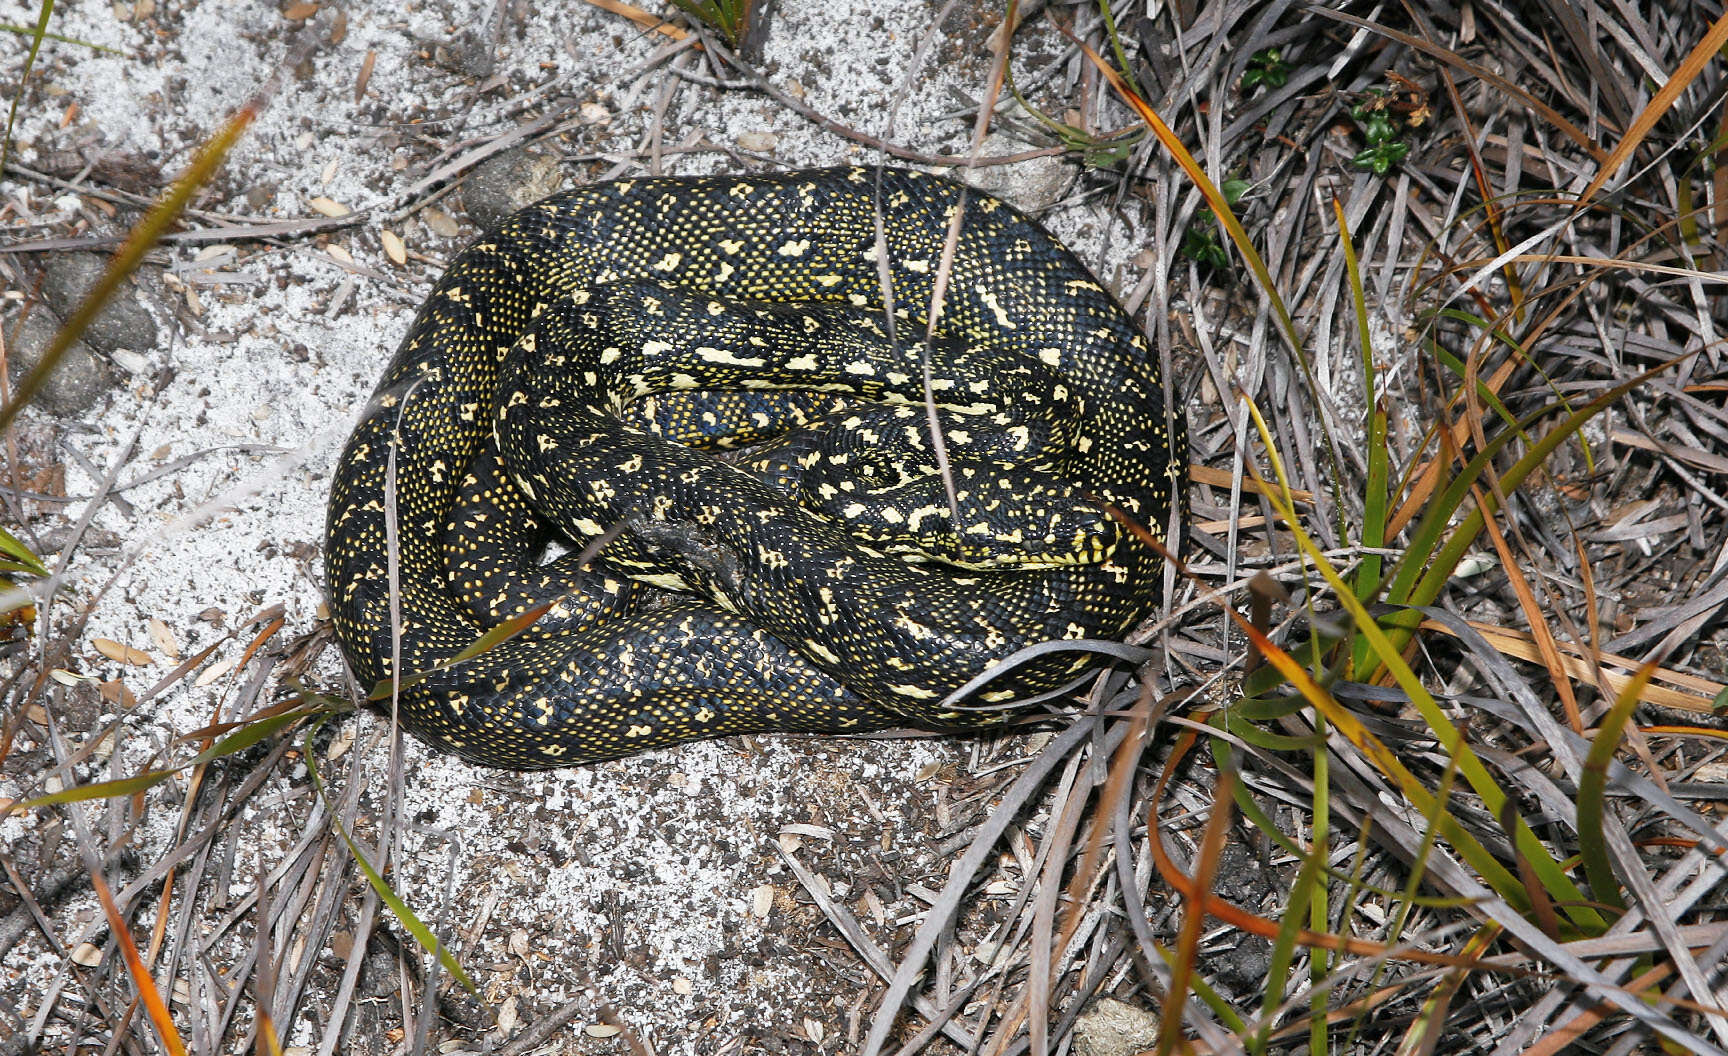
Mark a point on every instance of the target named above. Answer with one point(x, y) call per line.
point(792, 623)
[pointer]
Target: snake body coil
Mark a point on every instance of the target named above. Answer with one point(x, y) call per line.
point(515, 405)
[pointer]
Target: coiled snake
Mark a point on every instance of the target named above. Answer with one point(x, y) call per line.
point(726, 606)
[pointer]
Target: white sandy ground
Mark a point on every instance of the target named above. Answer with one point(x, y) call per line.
point(649, 875)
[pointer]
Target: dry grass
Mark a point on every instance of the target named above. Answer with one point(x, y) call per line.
point(1424, 757)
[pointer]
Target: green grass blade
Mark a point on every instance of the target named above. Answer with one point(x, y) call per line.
point(37, 34)
point(58, 38)
point(1375, 497)
point(246, 734)
point(400, 909)
point(1436, 546)
point(1592, 788)
point(121, 786)
point(1446, 559)
point(252, 733)
point(1450, 739)
point(1319, 906)
point(1483, 392)
point(23, 559)
point(1216, 1002)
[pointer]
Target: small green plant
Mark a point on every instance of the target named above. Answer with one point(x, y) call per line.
point(1200, 242)
point(1384, 148)
point(1265, 67)
point(1384, 117)
point(730, 17)
point(1097, 150)
point(17, 609)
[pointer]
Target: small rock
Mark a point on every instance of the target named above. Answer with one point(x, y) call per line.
point(506, 182)
point(133, 362)
point(1031, 185)
point(1114, 1028)
point(76, 384)
point(760, 142)
point(124, 322)
point(440, 223)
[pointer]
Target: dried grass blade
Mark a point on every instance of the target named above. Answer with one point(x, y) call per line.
point(1117, 785)
point(1194, 912)
point(1533, 612)
point(1541, 906)
point(1684, 691)
point(146, 987)
point(1219, 478)
point(1555, 1040)
point(275, 622)
point(642, 18)
point(265, 1039)
point(1615, 264)
point(960, 875)
point(1719, 189)
point(1490, 202)
point(1549, 114)
point(1684, 74)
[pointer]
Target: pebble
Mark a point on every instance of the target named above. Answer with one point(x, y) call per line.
point(123, 323)
point(507, 181)
point(81, 378)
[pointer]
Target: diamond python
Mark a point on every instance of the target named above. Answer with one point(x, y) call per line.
point(724, 606)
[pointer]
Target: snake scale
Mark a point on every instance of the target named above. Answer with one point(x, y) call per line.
point(564, 376)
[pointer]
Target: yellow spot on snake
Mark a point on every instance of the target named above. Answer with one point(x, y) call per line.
point(915, 692)
point(721, 355)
